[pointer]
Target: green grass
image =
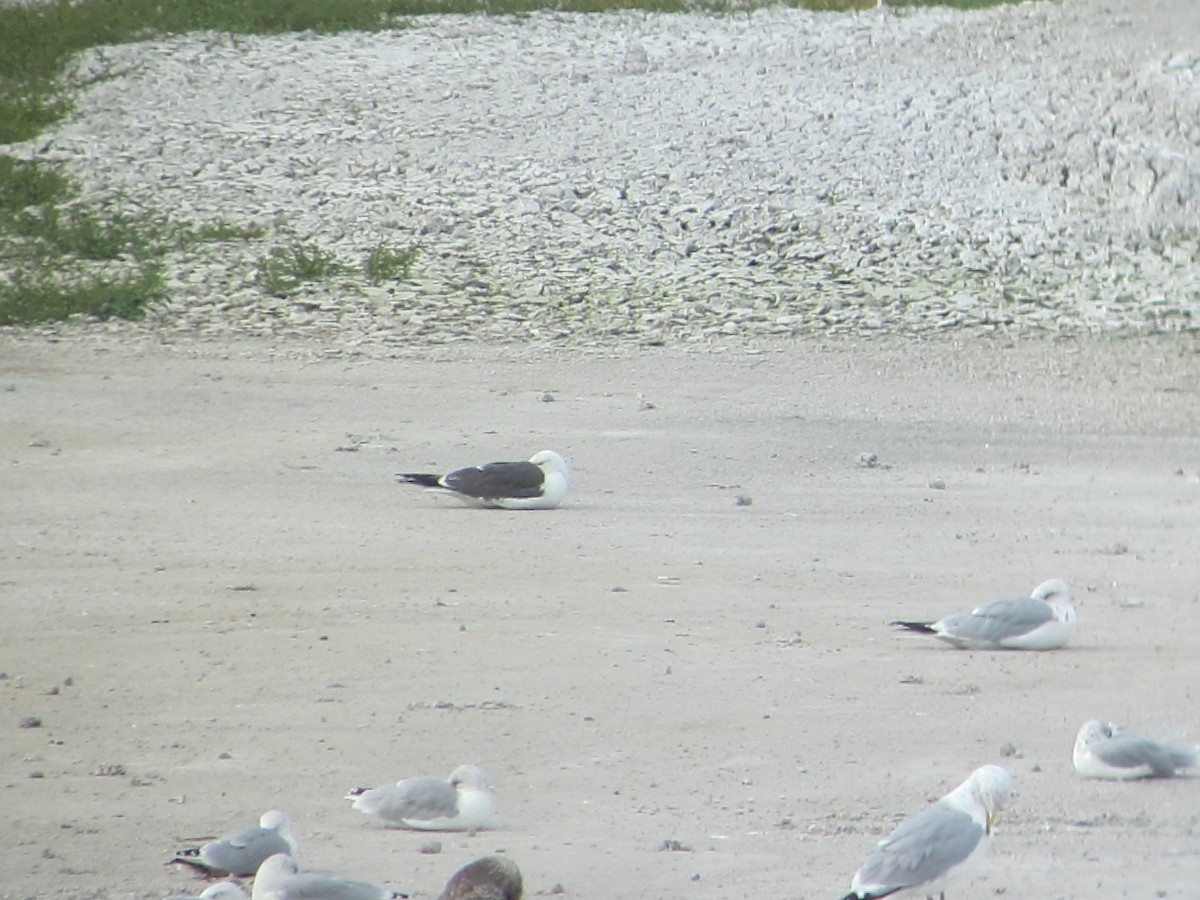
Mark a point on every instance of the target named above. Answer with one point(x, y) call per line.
point(389, 264)
point(24, 184)
point(284, 269)
point(43, 296)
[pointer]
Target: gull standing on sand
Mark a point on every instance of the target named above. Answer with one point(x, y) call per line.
point(1103, 751)
point(489, 878)
point(279, 878)
point(242, 854)
point(462, 802)
point(539, 483)
point(937, 843)
point(1045, 620)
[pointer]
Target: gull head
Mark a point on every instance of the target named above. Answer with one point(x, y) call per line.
point(272, 875)
point(470, 778)
point(1054, 591)
point(549, 461)
point(991, 786)
point(275, 820)
point(1092, 732)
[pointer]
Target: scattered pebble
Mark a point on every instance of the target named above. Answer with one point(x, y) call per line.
point(31, 722)
point(430, 848)
point(109, 770)
point(937, 484)
point(1008, 750)
point(743, 500)
point(675, 846)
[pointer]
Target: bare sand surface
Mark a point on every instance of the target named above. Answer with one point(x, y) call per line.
point(217, 602)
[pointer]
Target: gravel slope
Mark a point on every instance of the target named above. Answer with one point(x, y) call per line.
point(676, 177)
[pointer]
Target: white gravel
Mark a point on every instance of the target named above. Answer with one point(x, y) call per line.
point(674, 177)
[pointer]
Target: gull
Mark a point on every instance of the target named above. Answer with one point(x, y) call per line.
point(279, 878)
point(1103, 751)
point(539, 483)
point(241, 854)
point(1045, 620)
point(462, 802)
point(937, 843)
point(489, 878)
point(222, 890)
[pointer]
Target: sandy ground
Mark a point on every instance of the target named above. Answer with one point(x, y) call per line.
point(211, 581)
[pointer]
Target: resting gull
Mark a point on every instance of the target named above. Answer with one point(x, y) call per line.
point(462, 802)
point(279, 878)
point(1045, 620)
point(222, 890)
point(242, 854)
point(1102, 751)
point(539, 483)
point(489, 878)
point(938, 843)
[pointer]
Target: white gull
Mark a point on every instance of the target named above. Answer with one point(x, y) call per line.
point(1045, 620)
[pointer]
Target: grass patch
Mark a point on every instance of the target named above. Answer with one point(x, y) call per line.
point(389, 264)
point(44, 296)
point(24, 184)
point(284, 269)
point(84, 233)
point(222, 232)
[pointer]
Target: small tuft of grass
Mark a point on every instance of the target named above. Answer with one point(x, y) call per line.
point(43, 296)
point(284, 269)
point(222, 232)
point(389, 264)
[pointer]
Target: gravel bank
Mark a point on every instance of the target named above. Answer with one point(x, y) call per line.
point(661, 178)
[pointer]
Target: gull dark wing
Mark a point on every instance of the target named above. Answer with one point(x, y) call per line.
point(498, 479)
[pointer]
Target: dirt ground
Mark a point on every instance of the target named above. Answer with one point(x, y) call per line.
point(217, 601)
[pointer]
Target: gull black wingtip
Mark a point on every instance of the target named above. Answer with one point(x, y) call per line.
point(921, 627)
point(422, 479)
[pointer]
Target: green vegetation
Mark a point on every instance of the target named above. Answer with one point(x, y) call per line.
point(284, 269)
point(43, 296)
point(54, 251)
point(60, 257)
point(389, 264)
